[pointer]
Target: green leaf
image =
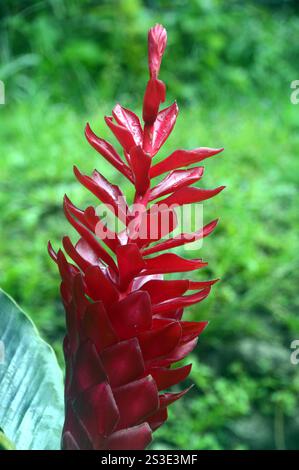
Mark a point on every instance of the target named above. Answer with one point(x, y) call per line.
point(5, 443)
point(31, 383)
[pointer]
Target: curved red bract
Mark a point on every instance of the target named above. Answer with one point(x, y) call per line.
point(124, 320)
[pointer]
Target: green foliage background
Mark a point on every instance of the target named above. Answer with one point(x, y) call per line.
point(230, 65)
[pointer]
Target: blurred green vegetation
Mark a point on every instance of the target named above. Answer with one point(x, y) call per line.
point(68, 47)
point(230, 65)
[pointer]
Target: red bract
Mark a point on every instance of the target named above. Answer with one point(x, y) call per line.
point(124, 320)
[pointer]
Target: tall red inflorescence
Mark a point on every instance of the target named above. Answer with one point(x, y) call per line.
point(124, 320)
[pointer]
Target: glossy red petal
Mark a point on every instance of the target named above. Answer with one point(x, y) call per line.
point(158, 132)
point(159, 322)
point(100, 229)
point(192, 329)
point(72, 327)
point(89, 224)
point(52, 252)
point(99, 287)
point(97, 327)
point(136, 400)
point(123, 362)
point(181, 158)
point(74, 254)
point(74, 431)
point(141, 280)
point(123, 135)
point(167, 398)
point(159, 342)
point(130, 263)
point(175, 314)
point(181, 239)
point(191, 195)
point(89, 220)
point(87, 253)
point(155, 94)
point(166, 378)
point(171, 263)
point(67, 271)
point(74, 210)
point(181, 302)
point(108, 193)
point(113, 194)
point(175, 180)
point(97, 410)
point(160, 290)
point(65, 293)
point(87, 369)
point(79, 299)
point(194, 285)
point(157, 419)
point(132, 315)
point(181, 351)
point(153, 225)
point(140, 164)
point(129, 120)
point(134, 438)
point(89, 238)
point(108, 152)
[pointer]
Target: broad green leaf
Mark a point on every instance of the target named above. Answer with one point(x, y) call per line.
point(31, 384)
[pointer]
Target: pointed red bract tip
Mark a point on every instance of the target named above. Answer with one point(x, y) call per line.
point(52, 252)
point(157, 39)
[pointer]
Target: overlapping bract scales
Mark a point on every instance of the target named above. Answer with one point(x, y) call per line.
point(124, 320)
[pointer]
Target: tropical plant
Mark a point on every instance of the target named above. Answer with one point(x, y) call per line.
point(124, 320)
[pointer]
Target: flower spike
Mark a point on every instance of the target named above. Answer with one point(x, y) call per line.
point(123, 318)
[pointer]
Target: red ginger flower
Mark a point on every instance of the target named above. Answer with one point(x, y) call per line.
point(124, 321)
